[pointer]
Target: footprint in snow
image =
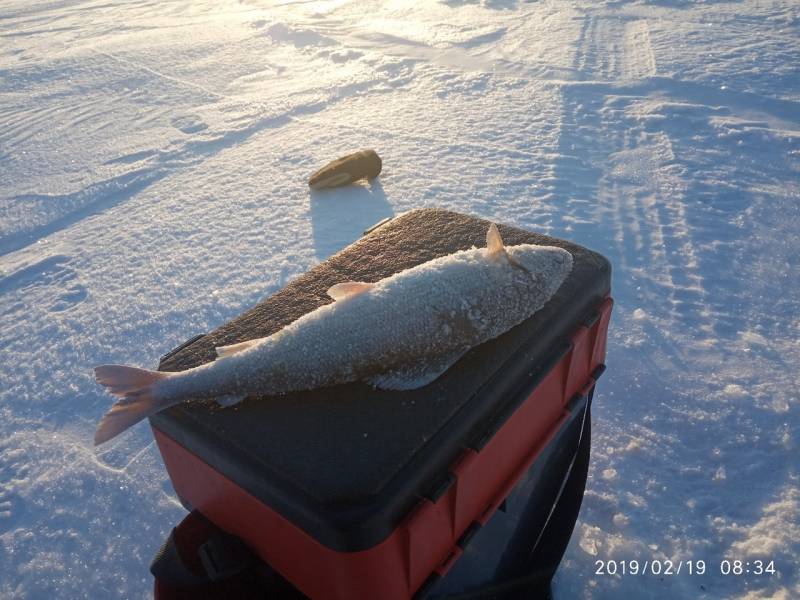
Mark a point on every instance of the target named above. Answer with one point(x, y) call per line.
point(10, 509)
point(189, 124)
point(51, 282)
point(299, 38)
point(13, 474)
point(343, 56)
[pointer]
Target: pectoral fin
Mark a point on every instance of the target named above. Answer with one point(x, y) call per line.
point(340, 291)
point(229, 400)
point(417, 375)
point(223, 351)
point(494, 243)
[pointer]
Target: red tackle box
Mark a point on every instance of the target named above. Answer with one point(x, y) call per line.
point(470, 483)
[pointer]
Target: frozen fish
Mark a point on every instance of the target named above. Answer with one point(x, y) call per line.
point(399, 333)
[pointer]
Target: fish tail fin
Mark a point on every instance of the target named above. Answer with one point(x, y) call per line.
point(137, 389)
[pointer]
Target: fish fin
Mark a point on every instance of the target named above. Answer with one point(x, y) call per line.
point(230, 400)
point(122, 381)
point(332, 181)
point(494, 243)
point(411, 377)
point(340, 291)
point(137, 389)
point(223, 351)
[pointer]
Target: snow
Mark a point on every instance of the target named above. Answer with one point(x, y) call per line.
point(153, 168)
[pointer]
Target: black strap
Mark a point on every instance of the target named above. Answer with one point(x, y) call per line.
point(219, 557)
point(167, 566)
point(224, 556)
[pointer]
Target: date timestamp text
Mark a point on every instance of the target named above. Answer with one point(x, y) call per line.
point(687, 567)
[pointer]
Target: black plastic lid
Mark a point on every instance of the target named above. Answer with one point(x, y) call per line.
point(347, 463)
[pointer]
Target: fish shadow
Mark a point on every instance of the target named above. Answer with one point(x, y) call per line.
point(339, 216)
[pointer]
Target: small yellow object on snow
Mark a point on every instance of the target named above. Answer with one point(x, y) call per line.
point(346, 170)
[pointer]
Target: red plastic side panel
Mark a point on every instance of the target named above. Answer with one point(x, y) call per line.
point(426, 541)
point(316, 570)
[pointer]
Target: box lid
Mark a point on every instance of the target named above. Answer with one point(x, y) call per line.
point(346, 463)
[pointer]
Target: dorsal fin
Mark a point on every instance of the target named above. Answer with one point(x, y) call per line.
point(349, 288)
point(494, 243)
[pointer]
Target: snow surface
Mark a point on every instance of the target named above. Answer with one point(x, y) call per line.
point(153, 167)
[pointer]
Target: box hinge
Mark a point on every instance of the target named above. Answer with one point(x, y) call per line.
point(598, 371)
point(425, 589)
point(467, 536)
point(441, 487)
point(447, 563)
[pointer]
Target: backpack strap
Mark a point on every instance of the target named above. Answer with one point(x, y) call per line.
point(197, 552)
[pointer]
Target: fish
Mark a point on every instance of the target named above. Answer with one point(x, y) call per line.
point(399, 333)
point(347, 169)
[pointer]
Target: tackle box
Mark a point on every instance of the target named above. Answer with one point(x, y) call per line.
point(471, 483)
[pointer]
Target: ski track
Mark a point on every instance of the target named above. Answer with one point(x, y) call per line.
point(620, 170)
point(150, 144)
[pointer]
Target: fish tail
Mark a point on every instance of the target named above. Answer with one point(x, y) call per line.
point(137, 389)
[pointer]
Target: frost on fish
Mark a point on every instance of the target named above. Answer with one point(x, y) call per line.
point(399, 333)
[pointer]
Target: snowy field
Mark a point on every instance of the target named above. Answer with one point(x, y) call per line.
point(153, 165)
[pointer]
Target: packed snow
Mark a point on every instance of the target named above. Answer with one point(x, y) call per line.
point(154, 159)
